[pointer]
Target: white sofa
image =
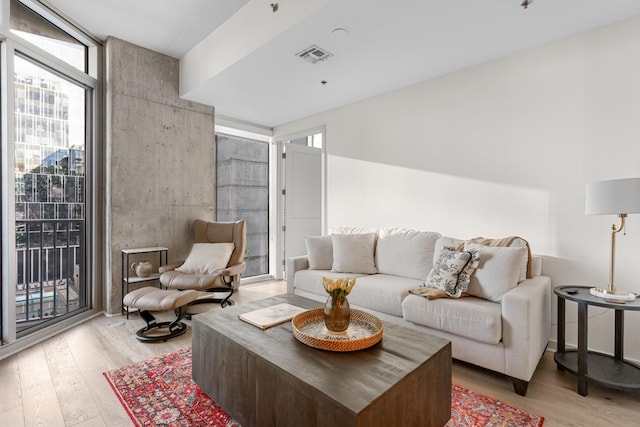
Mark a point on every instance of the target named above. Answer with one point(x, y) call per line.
point(504, 332)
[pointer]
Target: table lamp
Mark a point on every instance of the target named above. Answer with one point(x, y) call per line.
point(614, 197)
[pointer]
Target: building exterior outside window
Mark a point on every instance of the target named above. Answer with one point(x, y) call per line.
point(242, 192)
point(51, 173)
point(49, 160)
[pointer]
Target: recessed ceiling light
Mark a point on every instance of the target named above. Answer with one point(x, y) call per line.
point(340, 33)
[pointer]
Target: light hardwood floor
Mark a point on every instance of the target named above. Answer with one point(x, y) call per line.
point(60, 383)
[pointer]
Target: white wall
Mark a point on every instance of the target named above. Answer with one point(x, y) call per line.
point(501, 149)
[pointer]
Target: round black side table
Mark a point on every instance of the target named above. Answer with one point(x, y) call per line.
point(612, 371)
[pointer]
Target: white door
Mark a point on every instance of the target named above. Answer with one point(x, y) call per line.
point(303, 197)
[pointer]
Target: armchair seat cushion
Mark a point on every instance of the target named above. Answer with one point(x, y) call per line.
point(177, 280)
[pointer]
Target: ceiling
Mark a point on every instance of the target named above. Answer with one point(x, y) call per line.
point(390, 44)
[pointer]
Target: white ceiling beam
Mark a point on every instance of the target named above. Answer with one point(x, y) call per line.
point(253, 26)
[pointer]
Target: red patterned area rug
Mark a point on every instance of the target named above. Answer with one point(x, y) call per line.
point(160, 392)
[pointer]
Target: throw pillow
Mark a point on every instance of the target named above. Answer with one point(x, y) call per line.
point(498, 271)
point(206, 258)
point(354, 253)
point(319, 252)
point(450, 242)
point(526, 271)
point(451, 272)
point(406, 253)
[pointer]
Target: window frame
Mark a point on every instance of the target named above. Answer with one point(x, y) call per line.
point(12, 45)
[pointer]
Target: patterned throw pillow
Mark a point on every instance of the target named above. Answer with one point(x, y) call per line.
point(452, 271)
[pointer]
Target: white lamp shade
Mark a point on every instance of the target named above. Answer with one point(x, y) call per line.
point(616, 196)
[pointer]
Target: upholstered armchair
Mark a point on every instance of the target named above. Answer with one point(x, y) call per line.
point(215, 263)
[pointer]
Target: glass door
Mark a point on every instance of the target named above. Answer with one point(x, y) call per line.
point(51, 173)
point(49, 161)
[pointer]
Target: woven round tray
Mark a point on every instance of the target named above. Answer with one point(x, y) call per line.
point(364, 331)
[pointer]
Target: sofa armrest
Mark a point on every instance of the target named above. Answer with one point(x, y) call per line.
point(526, 324)
point(295, 264)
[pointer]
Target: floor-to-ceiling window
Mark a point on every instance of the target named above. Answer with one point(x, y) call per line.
point(49, 171)
point(242, 191)
point(49, 151)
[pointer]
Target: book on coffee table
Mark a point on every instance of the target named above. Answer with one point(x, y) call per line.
point(271, 316)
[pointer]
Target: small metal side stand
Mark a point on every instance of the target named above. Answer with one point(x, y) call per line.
point(611, 371)
point(127, 280)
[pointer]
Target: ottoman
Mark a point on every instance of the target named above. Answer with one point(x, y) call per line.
point(150, 299)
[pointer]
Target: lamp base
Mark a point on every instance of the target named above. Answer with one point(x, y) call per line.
point(612, 295)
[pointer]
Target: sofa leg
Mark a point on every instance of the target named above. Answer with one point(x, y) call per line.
point(520, 386)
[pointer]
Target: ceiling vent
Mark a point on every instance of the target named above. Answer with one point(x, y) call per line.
point(313, 54)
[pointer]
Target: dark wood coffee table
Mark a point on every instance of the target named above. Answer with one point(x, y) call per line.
point(269, 378)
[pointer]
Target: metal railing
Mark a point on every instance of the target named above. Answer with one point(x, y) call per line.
point(50, 264)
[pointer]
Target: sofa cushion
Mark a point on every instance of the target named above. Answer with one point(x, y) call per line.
point(497, 272)
point(382, 292)
point(470, 317)
point(406, 253)
point(319, 252)
point(354, 253)
point(345, 229)
point(311, 280)
point(379, 292)
point(512, 242)
point(452, 271)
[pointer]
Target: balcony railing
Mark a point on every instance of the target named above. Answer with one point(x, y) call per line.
point(50, 264)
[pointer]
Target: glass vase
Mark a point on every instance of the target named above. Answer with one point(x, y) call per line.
point(337, 314)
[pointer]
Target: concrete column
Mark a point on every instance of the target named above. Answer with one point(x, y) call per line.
point(160, 159)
